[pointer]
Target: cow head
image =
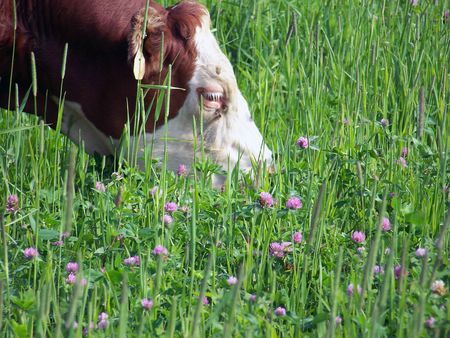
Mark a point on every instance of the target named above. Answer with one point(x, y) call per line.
point(230, 136)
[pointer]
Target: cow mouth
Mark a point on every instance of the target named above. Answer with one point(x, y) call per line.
point(212, 98)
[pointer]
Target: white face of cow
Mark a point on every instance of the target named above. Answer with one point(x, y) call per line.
point(230, 135)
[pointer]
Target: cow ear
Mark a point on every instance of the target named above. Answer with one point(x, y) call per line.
point(144, 52)
point(185, 17)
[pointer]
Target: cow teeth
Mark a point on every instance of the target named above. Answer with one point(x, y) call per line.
point(213, 96)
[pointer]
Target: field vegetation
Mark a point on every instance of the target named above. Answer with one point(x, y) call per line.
point(348, 237)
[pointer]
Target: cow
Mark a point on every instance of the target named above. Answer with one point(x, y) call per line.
point(112, 46)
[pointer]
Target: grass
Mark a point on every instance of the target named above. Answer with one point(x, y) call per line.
point(330, 71)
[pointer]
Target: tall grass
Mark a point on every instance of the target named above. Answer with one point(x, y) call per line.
point(330, 71)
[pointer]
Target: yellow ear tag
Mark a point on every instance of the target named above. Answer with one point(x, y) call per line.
point(139, 65)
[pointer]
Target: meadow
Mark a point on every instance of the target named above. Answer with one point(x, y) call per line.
point(348, 237)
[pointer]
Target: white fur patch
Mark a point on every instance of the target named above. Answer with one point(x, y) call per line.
point(80, 130)
point(231, 138)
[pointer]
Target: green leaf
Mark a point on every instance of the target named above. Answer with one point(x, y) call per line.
point(25, 301)
point(48, 234)
point(15, 130)
point(146, 233)
point(115, 276)
point(20, 330)
point(281, 213)
point(321, 317)
point(416, 217)
point(32, 222)
point(100, 251)
point(93, 275)
point(160, 87)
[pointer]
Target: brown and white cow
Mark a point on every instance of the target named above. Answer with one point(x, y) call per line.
point(105, 48)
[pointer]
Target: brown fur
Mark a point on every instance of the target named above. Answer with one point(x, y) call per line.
point(103, 37)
